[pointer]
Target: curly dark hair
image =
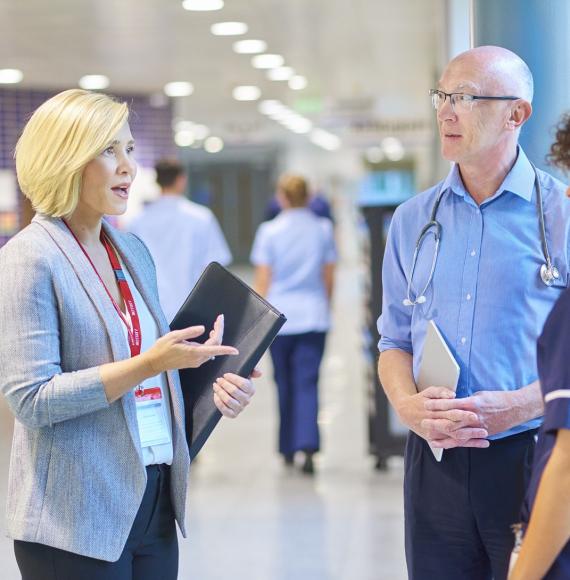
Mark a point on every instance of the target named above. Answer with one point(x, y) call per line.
point(560, 151)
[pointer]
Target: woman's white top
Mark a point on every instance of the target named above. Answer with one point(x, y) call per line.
point(162, 453)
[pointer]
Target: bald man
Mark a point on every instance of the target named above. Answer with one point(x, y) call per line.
point(489, 301)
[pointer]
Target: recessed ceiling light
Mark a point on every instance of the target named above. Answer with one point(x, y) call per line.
point(183, 125)
point(213, 144)
point(393, 148)
point(395, 155)
point(374, 154)
point(299, 125)
point(94, 82)
point(228, 28)
point(201, 132)
point(267, 60)
point(281, 73)
point(325, 140)
point(246, 93)
point(297, 83)
point(270, 106)
point(202, 5)
point(178, 89)
point(249, 46)
point(10, 76)
point(184, 138)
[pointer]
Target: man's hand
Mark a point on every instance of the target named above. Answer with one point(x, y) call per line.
point(496, 411)
point(446, 428)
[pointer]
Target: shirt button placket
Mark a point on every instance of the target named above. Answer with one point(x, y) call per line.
point(470, 283)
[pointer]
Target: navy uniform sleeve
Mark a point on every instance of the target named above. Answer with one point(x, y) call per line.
point(554, 365)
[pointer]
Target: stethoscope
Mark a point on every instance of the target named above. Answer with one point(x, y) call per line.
point(548, 272)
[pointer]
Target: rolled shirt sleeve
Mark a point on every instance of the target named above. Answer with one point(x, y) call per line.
point(261, 251)
point(394, 324)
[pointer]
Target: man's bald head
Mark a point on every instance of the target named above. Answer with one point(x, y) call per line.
point(499, 69)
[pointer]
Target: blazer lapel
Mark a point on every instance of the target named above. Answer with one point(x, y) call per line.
point(90, 282)
point(93, 287)
point(143, 286)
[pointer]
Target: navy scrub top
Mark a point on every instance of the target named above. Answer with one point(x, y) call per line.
point(554, 373)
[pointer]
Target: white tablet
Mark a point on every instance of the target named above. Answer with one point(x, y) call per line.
point(438, 368)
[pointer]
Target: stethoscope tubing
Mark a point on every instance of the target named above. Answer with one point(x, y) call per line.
point(548, 272)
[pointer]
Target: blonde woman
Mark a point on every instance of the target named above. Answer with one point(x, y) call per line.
point(294, 255)
point(99, 466)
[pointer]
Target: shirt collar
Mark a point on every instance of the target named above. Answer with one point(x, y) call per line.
point(519, 180)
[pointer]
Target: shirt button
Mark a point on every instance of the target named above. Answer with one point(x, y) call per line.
point(468, 296)
point(463, 340)
point(473, 252)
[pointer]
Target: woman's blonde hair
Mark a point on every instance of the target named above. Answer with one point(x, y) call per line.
point(295, 189)
point(62, 136)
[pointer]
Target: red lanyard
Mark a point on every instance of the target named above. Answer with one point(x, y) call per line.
point(134, 327)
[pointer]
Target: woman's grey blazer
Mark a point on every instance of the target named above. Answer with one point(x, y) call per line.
point(77, 475)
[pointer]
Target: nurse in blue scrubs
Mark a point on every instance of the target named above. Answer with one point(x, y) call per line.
point(545, 551)
point(294, 256)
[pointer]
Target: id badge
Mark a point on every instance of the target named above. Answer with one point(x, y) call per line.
point(151, 416)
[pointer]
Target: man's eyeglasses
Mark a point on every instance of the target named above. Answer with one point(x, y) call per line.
point(462, 101)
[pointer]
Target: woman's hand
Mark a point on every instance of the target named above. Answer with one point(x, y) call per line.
point(176, 350)
point(232, 393)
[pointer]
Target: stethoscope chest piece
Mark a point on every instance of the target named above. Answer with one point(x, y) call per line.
point(549, 274)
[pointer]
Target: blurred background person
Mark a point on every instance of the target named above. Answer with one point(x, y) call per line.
point(318, 204)
point(182, 236)
point(294, 257)
point(545, 552)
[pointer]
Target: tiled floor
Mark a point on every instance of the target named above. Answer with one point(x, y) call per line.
point(251, 518)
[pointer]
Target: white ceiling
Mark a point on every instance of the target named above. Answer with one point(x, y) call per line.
point(367, 61)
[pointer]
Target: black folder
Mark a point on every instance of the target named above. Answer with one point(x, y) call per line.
point(250, 324)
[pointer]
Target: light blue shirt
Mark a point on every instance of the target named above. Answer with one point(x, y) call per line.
point(183, 237)
point(296, 245)
point(486, 297)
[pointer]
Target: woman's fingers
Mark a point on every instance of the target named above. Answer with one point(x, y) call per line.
point(236, 381)
point(217, 333)
point(232, 394)
point(219, 328)
point(223, 408)
point(187, 333)
point(209, 351)
point(241, 391)
point(232, 402)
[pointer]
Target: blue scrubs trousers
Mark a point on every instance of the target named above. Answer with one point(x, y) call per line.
point(458, 512)
point(296, 360)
